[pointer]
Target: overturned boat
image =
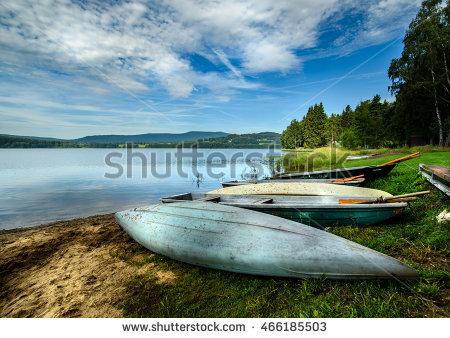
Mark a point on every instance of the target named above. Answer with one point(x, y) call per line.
point(245, 241)
point(317, 211)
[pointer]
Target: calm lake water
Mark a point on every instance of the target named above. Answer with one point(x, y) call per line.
point(44, 185)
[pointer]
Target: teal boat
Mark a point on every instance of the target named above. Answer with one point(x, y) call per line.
point(317, 211)
point(223, 237)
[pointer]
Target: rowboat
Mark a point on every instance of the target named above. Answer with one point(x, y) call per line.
point(317, 211)
point(370, 173)
point(300, 189)
point(355, 183)
point(238, 240)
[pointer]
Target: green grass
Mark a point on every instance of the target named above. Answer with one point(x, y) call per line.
point(324, 158)
point(415, 237)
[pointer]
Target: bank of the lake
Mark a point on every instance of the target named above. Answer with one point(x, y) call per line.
point(90, 267)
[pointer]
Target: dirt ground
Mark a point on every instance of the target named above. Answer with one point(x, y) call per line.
point(63, 269)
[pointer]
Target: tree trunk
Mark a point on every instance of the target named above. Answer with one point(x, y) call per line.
point(445, 65)
point(447, 141)
point(438, 115)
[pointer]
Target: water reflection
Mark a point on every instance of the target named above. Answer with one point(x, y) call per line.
point(44, 185)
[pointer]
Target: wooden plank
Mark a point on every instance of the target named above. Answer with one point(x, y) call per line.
point(210, 199)
point(438, 184)
point(264, 200)
point(438, 170)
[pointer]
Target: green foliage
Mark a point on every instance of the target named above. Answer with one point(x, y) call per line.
point(420, 77)
point(292, 136)
point(315, 126)
point(347, 117)
point(349, 139)
point(334, 127)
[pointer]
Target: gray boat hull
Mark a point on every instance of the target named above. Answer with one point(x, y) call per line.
point(238, 240)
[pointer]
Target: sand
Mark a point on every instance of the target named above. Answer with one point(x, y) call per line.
point(64, 269)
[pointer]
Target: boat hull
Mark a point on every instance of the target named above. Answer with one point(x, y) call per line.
point(370, 173)
point(353, 183)
point(320, 218)
point(314, 211)
point(238, 240)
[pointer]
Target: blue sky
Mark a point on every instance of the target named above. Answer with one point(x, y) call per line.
point(74, 68)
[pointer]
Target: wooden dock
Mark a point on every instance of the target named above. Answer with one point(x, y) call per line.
point(436, 175)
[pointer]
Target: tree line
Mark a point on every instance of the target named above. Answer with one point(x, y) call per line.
point(251, 141)
point(420, 83)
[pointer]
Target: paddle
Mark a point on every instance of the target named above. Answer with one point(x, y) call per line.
point(398, 198)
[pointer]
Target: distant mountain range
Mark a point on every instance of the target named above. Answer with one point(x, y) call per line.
point(142, 138)
point(207, 140)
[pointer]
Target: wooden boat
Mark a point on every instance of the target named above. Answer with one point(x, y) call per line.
point(300, 189)
point(370, 173)
point(239, 240)
point(317, 211)
point(354, 183)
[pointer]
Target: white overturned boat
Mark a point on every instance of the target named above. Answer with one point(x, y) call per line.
point(300, 189)
point(239, 240)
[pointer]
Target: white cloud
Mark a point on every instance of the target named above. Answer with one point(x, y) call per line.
point(135, 45)
point(265, 56)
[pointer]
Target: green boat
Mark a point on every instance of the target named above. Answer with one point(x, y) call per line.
point(317, 211)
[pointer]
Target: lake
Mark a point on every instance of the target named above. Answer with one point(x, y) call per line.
point(44, 185)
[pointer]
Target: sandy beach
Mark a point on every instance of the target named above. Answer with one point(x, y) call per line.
point(64, 269)
point(89, 267)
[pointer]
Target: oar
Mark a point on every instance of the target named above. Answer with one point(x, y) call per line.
point(359, 201)
point(401, 159)
point(386, 199)
point(347, 179)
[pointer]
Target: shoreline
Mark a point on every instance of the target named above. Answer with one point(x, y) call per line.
point(64, 269)
point(51, 223)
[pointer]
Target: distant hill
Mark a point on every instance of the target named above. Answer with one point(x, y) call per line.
point(257, 140)
point(142, 138)
point(33, 137)
point(152, 137)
